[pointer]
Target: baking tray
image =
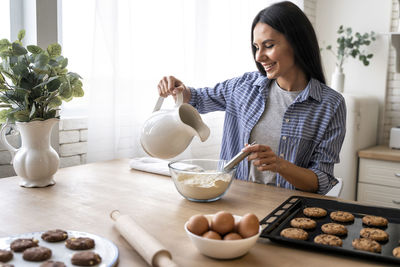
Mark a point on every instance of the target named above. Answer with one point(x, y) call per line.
point(280, 218)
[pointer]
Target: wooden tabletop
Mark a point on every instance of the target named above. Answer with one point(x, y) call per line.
point(84, 196)
point(380, 153)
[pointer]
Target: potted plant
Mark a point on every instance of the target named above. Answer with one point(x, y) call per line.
point(349, 45)
point(33, 84)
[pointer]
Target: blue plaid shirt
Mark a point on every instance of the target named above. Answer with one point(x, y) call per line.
point(313, 127)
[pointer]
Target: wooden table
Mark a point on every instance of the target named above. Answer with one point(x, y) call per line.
point(84, 196)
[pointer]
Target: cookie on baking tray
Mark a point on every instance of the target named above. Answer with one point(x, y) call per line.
point(79, 243)
point(314, 212)
point(36, 254)
point(294, 233)
point(53, 264)
point(55, 235)
point(366, 244)
point(5, 255)
point(342, 216)
point(330, 240)
point(396, 252)
point(20, 244)
point(85, 258)
point(374, 234)
point(303, 223)
point(371, 220)
point(334, 229)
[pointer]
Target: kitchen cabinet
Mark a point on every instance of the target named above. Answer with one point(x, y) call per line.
point(379, 176)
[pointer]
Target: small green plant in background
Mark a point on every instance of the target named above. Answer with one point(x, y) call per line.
point(34, 81)
point(349, 44)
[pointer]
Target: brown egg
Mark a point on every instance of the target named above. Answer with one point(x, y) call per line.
point(212, 235)
point(198, 224)
point(248, 225)
point(232, 236)
point(223, 222)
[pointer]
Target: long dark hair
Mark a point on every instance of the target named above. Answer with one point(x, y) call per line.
point(286, 18)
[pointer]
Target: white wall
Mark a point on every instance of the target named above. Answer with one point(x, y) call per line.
point(362, 16)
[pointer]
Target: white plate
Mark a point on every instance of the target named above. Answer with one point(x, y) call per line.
point(107, 250)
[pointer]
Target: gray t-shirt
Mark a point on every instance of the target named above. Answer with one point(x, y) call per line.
point(267, 131)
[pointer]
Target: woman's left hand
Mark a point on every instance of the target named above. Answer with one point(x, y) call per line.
point(263, 158)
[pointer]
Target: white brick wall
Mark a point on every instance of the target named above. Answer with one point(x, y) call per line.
point(73, 141)
point(392, 104)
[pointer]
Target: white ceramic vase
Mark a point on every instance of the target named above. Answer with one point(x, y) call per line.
point(35, 161)
point(337, 82)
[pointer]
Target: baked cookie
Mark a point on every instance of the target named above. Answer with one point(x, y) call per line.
point(303, 223)
point(6, 265)
point(342, 216)
point(294, 233)
point(396, 252)
point(314, 212)
point(79, 243)
point(53, 264)
point(5, 255)
point(85, 258)
point(371, 220)
point(374, 234)
point(20, 244)
point(366, 245)
point(36, 254)
point(330, 240)
point(334, 229)
point(55, 235)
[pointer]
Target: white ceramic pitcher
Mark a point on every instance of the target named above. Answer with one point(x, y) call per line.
point(168, 132)
point(35, 161)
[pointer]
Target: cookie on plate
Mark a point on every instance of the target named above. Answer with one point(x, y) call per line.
point(396, 252)
point(366, 245)
point(371, 220)
point(330, 240)
point(303, 223)
point(294, 233)
point(342, 216)
point(20, 244)
point(56, 235)
point(79, 243)
point(314, 212)
point(5, 255)
point(53, 264)
point(85, 258)
point(374, 234)
point(334, 229)
point(37, 254)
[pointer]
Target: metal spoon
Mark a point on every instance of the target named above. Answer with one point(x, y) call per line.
point(236, 159)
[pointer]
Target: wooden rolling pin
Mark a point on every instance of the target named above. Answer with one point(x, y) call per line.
point(146, 245)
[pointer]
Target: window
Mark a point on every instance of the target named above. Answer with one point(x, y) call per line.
point(5, 19)
point(77, 26)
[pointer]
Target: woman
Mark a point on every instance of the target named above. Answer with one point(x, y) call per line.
point(296, 120)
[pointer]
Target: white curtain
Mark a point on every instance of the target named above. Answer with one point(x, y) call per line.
point(136, 43)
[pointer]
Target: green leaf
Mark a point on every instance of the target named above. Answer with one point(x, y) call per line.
point(64, 63)
point(3, 115)
point(18, 49)
point(22, 115)
point(77, 92)
point(41, 61)
point(46, 82)
point(54, 50)
point(4, 44)
point(21, 35)
point(55, 102)
point(34, 49)
point(65, 91)
point(50, 114)
point(53, 85)
point(33, 110)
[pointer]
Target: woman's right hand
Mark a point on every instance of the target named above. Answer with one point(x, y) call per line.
point(169, 85)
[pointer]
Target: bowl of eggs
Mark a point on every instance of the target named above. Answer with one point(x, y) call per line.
point(201, 180)
point(223, 235)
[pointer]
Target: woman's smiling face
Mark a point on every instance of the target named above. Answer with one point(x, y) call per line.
point(274, 52)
